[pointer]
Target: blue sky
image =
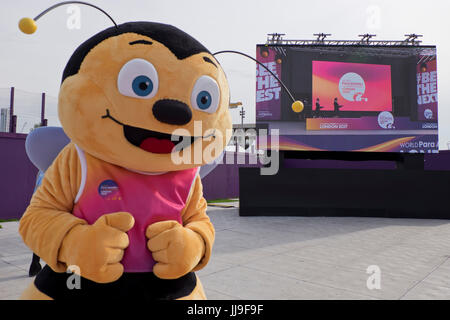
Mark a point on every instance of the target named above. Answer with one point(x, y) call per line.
point(35, 63)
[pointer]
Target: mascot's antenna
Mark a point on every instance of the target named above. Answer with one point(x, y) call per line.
point(28, 25)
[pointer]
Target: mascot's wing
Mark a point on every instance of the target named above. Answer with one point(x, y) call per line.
point(207, 168)
point(44, 144)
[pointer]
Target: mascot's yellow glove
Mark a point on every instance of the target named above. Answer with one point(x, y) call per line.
point(176, 249)
point(98, 249)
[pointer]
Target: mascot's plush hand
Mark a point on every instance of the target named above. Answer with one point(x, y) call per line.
point(176, 249)
point(98, 249)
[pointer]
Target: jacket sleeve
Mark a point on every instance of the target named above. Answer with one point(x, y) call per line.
point(195, 218)
point(49, 217)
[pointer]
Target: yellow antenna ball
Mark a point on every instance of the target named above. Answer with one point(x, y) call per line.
point(27, 25)
point(298, 106)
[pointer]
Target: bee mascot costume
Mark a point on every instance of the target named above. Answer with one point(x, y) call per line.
point(114, 207)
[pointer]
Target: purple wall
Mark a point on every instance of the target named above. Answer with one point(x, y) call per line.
point(223, 181)
point(17, 176)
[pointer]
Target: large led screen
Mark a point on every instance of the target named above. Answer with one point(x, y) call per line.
point(342, 86)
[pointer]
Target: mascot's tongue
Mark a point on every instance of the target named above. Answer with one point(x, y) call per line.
point(155, 145)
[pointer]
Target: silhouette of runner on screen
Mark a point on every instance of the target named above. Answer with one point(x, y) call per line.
point(318, 108)
point(336, 107)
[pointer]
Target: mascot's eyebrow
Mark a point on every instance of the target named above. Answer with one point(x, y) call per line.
point(209, 60)
point(140, 42)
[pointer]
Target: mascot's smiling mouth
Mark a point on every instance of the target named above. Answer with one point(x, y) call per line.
point(156, 142)
point(153, 141)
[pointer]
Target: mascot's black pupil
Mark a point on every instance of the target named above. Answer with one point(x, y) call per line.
point(204, 100)
point(143, 86)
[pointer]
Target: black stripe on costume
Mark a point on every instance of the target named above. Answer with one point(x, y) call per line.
point(181, 44)
point(139, 286)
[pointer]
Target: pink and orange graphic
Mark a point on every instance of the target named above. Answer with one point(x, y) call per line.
point(357, 86)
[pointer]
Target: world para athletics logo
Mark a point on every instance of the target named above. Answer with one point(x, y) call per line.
point(386, 120)
point(109, 190)
point(428, 114)
point(352, 87)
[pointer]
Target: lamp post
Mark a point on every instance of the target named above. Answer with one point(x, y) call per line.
point(242, 114)
point(234, 105)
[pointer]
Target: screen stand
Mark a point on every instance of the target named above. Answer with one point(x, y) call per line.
point(403, 161)
point(326, 184)
point(411, 161)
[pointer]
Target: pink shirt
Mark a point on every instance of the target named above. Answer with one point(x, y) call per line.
point(107, 188)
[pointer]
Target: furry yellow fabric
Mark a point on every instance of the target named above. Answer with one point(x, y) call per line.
point(84, 98)
point(97, 249)
point(49, 218)
point(177, 250)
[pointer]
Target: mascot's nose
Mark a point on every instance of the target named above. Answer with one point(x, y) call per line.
point(172, 112)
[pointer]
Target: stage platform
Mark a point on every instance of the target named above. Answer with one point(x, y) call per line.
point(390, 185)
point(294, 128)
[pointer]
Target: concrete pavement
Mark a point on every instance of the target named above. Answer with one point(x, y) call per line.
point(299, 258)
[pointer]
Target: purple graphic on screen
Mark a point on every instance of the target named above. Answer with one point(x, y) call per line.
point(427, 94)
point(268, 89)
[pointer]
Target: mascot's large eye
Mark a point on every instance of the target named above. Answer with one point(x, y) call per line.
point(138, 79)
point(205, 95)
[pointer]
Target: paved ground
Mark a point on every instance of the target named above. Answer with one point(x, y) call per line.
point(299, 258)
